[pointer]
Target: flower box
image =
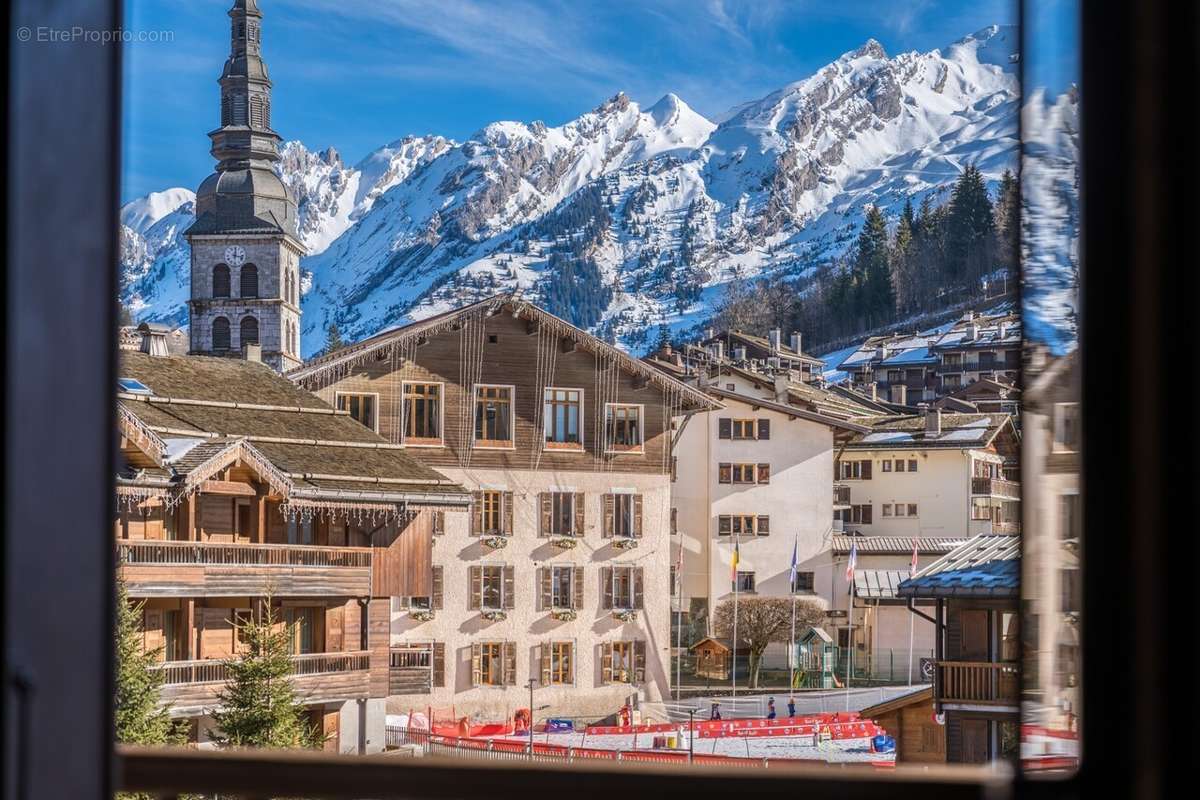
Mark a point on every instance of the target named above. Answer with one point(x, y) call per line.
point(495, 616)
point(422, 616)
point(625, 544)
point(564, 542)
point(564, 614)
point(496, 542)
point(625, 614)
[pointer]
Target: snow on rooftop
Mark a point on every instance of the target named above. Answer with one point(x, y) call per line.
point(178, 448)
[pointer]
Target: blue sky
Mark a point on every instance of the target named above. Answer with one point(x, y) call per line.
point(356, 74)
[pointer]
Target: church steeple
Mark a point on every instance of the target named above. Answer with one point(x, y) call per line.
point(245, 248)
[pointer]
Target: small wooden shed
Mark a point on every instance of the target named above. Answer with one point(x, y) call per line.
point(909, 719)
point(713, 655)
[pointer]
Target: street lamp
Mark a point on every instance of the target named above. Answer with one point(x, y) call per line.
point(691, 732)
point(532, 683)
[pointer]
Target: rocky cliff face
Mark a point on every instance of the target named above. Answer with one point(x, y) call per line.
point(626, 218)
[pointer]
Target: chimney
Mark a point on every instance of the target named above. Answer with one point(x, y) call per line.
point(873, 390)
point(881, 352)
point(739, 354)
point(719, 350)
point(796, 341)
point(252, 352)
point(1001, 329)
point(774, 336)
point(933, 421)
point(781, 388)
point(709, 333)
point(154, 340)
point(971, 333)
point(899, 394)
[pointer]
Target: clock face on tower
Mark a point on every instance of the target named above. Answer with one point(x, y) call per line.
point(235, 255)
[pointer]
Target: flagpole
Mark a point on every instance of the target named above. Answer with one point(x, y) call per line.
point(911, 623)
point(733, 659)
point(792, 652)
point(850, 645)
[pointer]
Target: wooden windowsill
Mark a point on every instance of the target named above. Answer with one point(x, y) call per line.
point(565, 447)
point(625, 449)
point(494, 444)
point(413, 441)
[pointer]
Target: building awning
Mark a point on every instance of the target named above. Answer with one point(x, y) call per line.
point(878, 584)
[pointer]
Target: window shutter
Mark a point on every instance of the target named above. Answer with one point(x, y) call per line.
point(508, 588)
point(764, 429)
point(435, 600)
point(606, 659)
point(609, 503)
point(724, 428)
point(639, 661)
point(637, 516)
point(764, 473)
point(545, 576)
point(573, 651)
point(476, 513)
point(637, 588)
point(866, 470)
point(606, 579)
point(508, 514)
point(725, 473)
point(439, 664)
point(476, 580)
point(546, 504)
point(724, 525)
point(439, 523)
point(764, 526)
point(866, 514)
point(580, 518)
point(510, 663)
point(545, 654)
point(476, 664)
point(577, 588)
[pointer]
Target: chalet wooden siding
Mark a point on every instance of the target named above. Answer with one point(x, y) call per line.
point(402, 558)
point(511, 360)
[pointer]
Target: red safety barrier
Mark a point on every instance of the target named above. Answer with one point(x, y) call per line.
point(703, 726)
point(1052, 733)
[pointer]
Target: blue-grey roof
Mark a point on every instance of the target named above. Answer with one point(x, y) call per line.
point(914, 355)
point(986, 566)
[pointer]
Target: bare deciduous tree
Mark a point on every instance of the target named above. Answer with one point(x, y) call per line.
point(763, 620)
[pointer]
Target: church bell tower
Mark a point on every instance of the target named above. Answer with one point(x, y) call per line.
point(245, 251)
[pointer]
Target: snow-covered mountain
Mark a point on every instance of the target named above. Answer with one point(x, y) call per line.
point(625, 217)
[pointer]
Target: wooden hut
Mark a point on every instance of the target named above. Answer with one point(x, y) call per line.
point(910, 720)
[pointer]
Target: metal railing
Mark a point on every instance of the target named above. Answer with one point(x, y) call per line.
point(250, 555)
point(211, 670)
point(982, 682)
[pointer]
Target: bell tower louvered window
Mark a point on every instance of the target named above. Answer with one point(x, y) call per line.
point(249, 332)
point(220, 334)
point(220, 281)
point(249, 281)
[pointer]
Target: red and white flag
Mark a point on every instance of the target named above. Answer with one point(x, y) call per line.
point(913, 567)
point(852, 563)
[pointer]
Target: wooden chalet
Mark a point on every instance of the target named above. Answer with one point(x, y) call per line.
point(976, 589)
point(235, 486)
point(912, 722)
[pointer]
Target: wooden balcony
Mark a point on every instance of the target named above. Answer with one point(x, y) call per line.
point(158, 568)
point(410, 670)
point(982, 683)
point(996, 487)
point(192, 686)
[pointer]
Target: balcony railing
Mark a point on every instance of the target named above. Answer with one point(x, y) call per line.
point(211, 670)
point(410, 670)
point(249, 555)
point(841, 496)
point(995, 683)
point(996, 487)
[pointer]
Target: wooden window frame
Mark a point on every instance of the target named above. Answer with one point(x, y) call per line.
point(636, 574)
point(563, 447)
point(744, 470)
point(741, 423)
point(808, 586)
point(338, 395)
point(609, 414)
point(495, 444)
point(572, 575)
point(504, 602)
point(556, 677)
point(422, 441)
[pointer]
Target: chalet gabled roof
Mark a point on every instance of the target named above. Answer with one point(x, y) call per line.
point(986, 566)
point(824, 401)
point(762, 343)
point(915, 697)
point(203, 414)
point(326, 369)
point(907, 432)
point(790, 410)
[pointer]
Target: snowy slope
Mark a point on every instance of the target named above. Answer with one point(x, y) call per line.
point(659, 206)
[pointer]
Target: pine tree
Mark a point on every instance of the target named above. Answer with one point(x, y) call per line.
point(872, 272)
point(138, 717)
point(333, 338)
point(970, 227)
point(902, 257)
point(1008, 221)
point(258, 706)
